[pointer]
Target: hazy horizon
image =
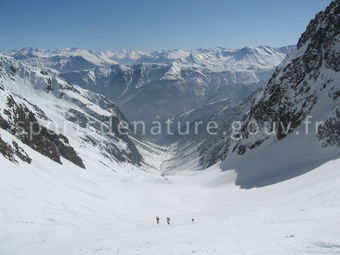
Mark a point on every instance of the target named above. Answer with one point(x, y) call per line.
point(153, 25)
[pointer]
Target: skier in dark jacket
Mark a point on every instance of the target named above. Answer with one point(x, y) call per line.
point(168, 220)
point(157, 219)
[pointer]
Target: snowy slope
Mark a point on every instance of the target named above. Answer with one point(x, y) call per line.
point(48, 209)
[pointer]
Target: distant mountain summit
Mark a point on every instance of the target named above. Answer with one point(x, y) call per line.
point(62, 60)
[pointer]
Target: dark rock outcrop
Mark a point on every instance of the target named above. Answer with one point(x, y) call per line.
point(10, 151)
point(24, 125)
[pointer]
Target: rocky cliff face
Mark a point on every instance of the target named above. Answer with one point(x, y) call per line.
point(306, 83)
point(293, 125)
point(22, 123)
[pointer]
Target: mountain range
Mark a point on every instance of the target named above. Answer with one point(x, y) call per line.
point(145, 85)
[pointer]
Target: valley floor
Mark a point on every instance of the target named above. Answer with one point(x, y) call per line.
point(65, 210)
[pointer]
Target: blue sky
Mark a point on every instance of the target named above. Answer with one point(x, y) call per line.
point(151, 24)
